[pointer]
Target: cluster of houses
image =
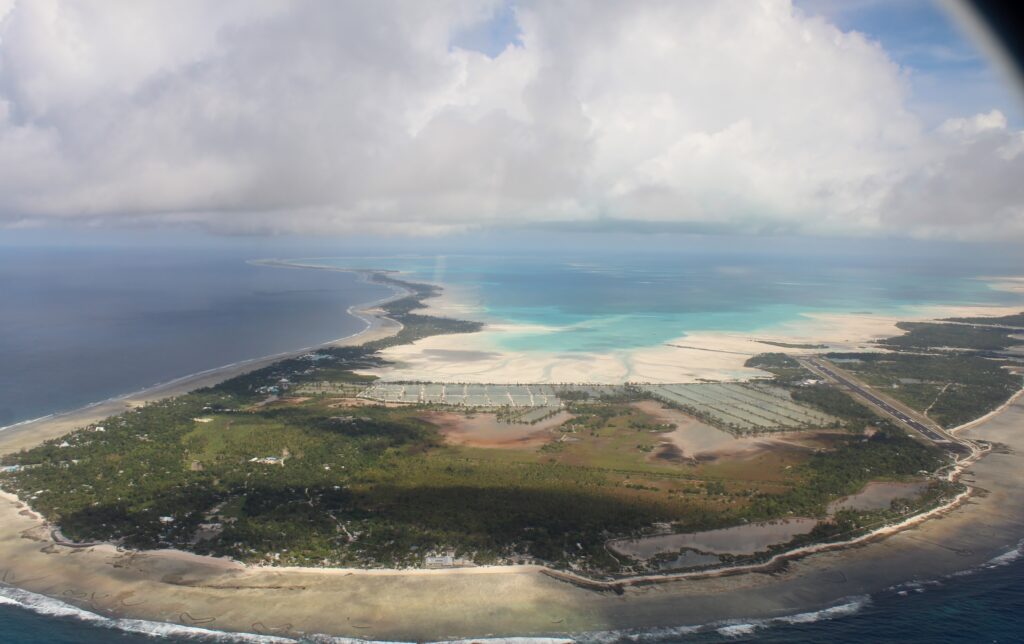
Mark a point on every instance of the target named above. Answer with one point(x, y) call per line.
point(445, 560)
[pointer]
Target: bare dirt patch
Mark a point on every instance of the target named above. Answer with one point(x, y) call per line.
point(484, 430)
point(360, 402)
point(695, 441)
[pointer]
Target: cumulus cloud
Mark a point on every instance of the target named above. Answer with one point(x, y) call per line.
point(330, 117)
point(965, 188)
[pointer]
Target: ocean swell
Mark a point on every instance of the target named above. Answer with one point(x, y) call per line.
point(729, 628)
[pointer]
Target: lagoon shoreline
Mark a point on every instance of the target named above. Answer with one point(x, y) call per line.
point(192, 590)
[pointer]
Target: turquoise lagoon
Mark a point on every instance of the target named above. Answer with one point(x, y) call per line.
point(594, 304)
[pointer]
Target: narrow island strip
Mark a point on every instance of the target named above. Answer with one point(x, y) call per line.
point(305, 465)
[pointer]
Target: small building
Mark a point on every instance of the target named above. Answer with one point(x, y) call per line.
point(440, 561)
point(268, 460)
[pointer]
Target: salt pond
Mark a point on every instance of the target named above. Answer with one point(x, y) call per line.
point(738, 540)
point(757, 537)
point(878, 495)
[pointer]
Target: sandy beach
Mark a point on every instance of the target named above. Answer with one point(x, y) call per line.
point(180, 588)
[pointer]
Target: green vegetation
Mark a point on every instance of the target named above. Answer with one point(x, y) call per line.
point(790, 374)
point(785, 369)
point(952, 388)
point(934, 335)
point(955, 373)
point(848, 524)
point(1015, 320)
point(856, 417)
point(314, 484)
point(372, 489)
point(951, 372)
point(889, 454)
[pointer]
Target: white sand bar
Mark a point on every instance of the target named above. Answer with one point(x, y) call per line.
point(480, 357)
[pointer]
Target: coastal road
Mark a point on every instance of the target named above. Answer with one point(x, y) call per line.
point(861, 390)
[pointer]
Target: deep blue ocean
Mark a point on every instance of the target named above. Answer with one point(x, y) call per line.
point(78, 325)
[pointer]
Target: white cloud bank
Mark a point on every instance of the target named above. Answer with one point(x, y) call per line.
point(362, 116)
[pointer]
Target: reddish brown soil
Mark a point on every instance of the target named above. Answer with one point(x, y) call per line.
point(484, 430)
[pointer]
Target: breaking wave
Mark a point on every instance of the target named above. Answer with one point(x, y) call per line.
point(1006, 558)
point(729, 628)
point(47, 606)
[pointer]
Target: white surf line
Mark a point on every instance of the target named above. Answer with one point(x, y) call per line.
point(730, 628)
point(53, 607)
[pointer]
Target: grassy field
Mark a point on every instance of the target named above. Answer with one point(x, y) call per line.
point(935, 335)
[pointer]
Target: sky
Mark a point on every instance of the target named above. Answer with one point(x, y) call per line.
point(852, 118)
